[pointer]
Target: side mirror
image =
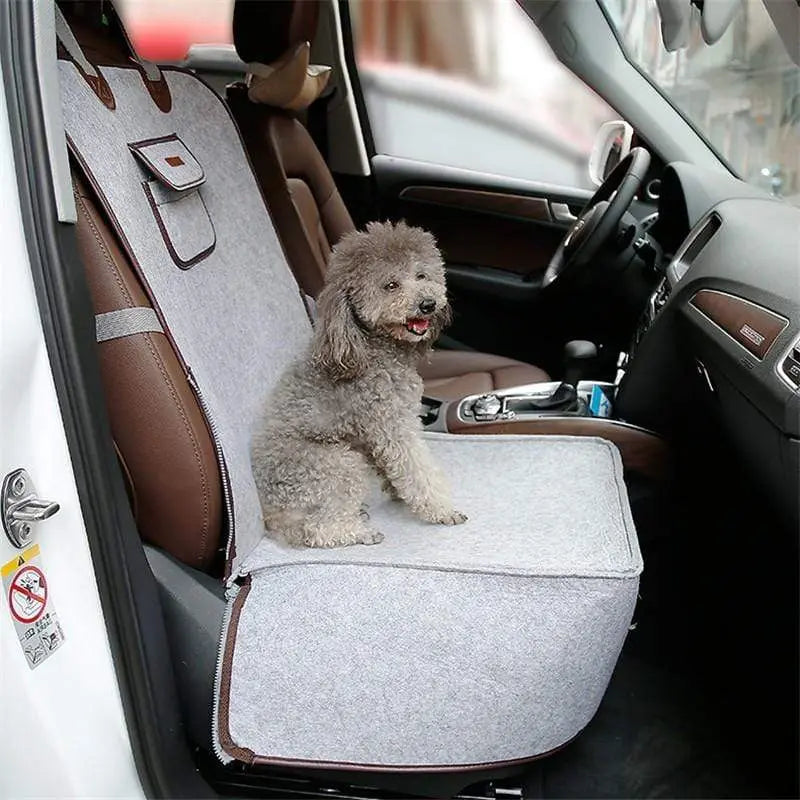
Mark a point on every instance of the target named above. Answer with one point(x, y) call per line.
point(611, 145)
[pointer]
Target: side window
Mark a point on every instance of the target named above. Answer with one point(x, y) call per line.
point(473, 84)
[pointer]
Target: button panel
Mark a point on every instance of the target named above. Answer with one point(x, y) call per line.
point(788, 367)
point(791, 369)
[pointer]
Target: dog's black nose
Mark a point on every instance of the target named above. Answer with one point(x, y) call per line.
point(427, 305)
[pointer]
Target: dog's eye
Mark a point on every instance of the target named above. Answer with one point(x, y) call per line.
point(421, 276)
point(391, 286)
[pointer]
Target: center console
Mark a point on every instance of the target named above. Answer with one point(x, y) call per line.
point(551, 408)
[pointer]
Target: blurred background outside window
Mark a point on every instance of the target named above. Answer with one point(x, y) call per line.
point(473, 84)
point(463, 83)
point(742, 93)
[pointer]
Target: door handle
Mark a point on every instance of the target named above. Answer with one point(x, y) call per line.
point(561, 213)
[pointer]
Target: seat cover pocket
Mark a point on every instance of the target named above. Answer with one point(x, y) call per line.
point(184, 223)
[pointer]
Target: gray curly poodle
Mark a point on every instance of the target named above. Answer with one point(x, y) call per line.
point(352, 400)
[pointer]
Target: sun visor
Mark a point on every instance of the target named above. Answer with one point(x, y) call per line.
point(716, 17)
point(676, 17)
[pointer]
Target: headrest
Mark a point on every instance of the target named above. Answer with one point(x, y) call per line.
point(265, 31)
point(290, 82)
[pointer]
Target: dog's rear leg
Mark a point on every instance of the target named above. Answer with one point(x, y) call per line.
point(333, 513)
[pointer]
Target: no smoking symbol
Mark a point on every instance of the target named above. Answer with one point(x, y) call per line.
point(27, 595)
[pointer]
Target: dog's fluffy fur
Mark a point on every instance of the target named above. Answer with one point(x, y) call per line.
point(349, 406)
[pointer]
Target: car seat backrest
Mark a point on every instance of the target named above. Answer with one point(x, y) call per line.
point(161, 436)
point(309, 212)
point(177, 188)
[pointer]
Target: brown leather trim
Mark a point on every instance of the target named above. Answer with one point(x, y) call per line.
point(467, 236)
point(137, 147)
point(165, 235)
point(195, 546)
point(158, 90)
point(247, 756)
point(97, 83)
point(174, 161)
point(228, 745)
point(129, 484)
point(754, 327)
point(642, 451)
point(126, 246)
point(510, 205)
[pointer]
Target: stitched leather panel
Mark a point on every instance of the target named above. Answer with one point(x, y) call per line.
point(158, 428)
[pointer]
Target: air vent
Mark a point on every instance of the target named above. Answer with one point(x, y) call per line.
point(693, 246)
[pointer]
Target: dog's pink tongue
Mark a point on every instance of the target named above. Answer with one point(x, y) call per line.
point(419, 325)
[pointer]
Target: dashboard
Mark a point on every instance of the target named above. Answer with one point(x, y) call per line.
point(725, 315)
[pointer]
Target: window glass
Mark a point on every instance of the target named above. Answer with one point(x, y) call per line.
point(473, 84)
point(164, 30)
point(742, 92)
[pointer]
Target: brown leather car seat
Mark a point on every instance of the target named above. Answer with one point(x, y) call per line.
point(309, 213)
point(160, 433)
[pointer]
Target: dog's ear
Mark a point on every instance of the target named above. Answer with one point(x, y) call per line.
point(339, 346)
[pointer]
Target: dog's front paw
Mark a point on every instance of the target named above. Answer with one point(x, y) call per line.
point(447, 517)
point(454, 518)
point(370, 537)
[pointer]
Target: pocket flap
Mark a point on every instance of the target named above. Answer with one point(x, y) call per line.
point(170, 161)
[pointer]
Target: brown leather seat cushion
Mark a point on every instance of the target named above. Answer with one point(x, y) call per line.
point(451, 374)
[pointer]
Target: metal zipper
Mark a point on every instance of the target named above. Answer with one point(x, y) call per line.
point(226, 621)
point(232, 590)
point(223, 468)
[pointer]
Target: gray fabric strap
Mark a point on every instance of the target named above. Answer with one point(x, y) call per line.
point(125, 322)
point(151, 70)
point(65, 35)
point(67, 38)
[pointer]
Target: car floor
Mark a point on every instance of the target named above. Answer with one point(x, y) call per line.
point(703, 702)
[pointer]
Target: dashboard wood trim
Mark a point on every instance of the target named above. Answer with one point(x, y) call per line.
point(752, 326)
point(511, 205)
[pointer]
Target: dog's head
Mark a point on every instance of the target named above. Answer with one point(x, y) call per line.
point(384, 284)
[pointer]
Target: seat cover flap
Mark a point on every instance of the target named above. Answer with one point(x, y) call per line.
point(170, 161)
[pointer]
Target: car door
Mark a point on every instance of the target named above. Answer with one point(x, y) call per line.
point(481, 136)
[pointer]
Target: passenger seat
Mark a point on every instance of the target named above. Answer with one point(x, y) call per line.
point(307, 209)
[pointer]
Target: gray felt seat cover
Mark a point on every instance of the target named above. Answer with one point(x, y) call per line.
point(443, 646)
point(440, 647)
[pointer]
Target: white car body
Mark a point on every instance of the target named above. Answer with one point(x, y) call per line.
point(64, 729)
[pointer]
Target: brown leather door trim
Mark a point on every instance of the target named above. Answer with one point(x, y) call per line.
point(507, 205)
point(752, 326)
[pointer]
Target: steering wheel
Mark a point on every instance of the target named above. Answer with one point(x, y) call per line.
point(599, 219)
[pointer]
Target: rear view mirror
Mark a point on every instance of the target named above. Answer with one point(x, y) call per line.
point(611, 145)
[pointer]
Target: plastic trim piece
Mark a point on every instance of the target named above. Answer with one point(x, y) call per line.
point(44, 32)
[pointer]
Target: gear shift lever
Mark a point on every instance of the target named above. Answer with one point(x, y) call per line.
point(578, 357)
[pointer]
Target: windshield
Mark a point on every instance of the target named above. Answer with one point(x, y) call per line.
point(742, 93)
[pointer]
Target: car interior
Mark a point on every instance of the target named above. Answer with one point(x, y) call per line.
point(669, 296)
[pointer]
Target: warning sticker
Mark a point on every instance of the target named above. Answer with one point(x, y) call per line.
point(28, 596)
